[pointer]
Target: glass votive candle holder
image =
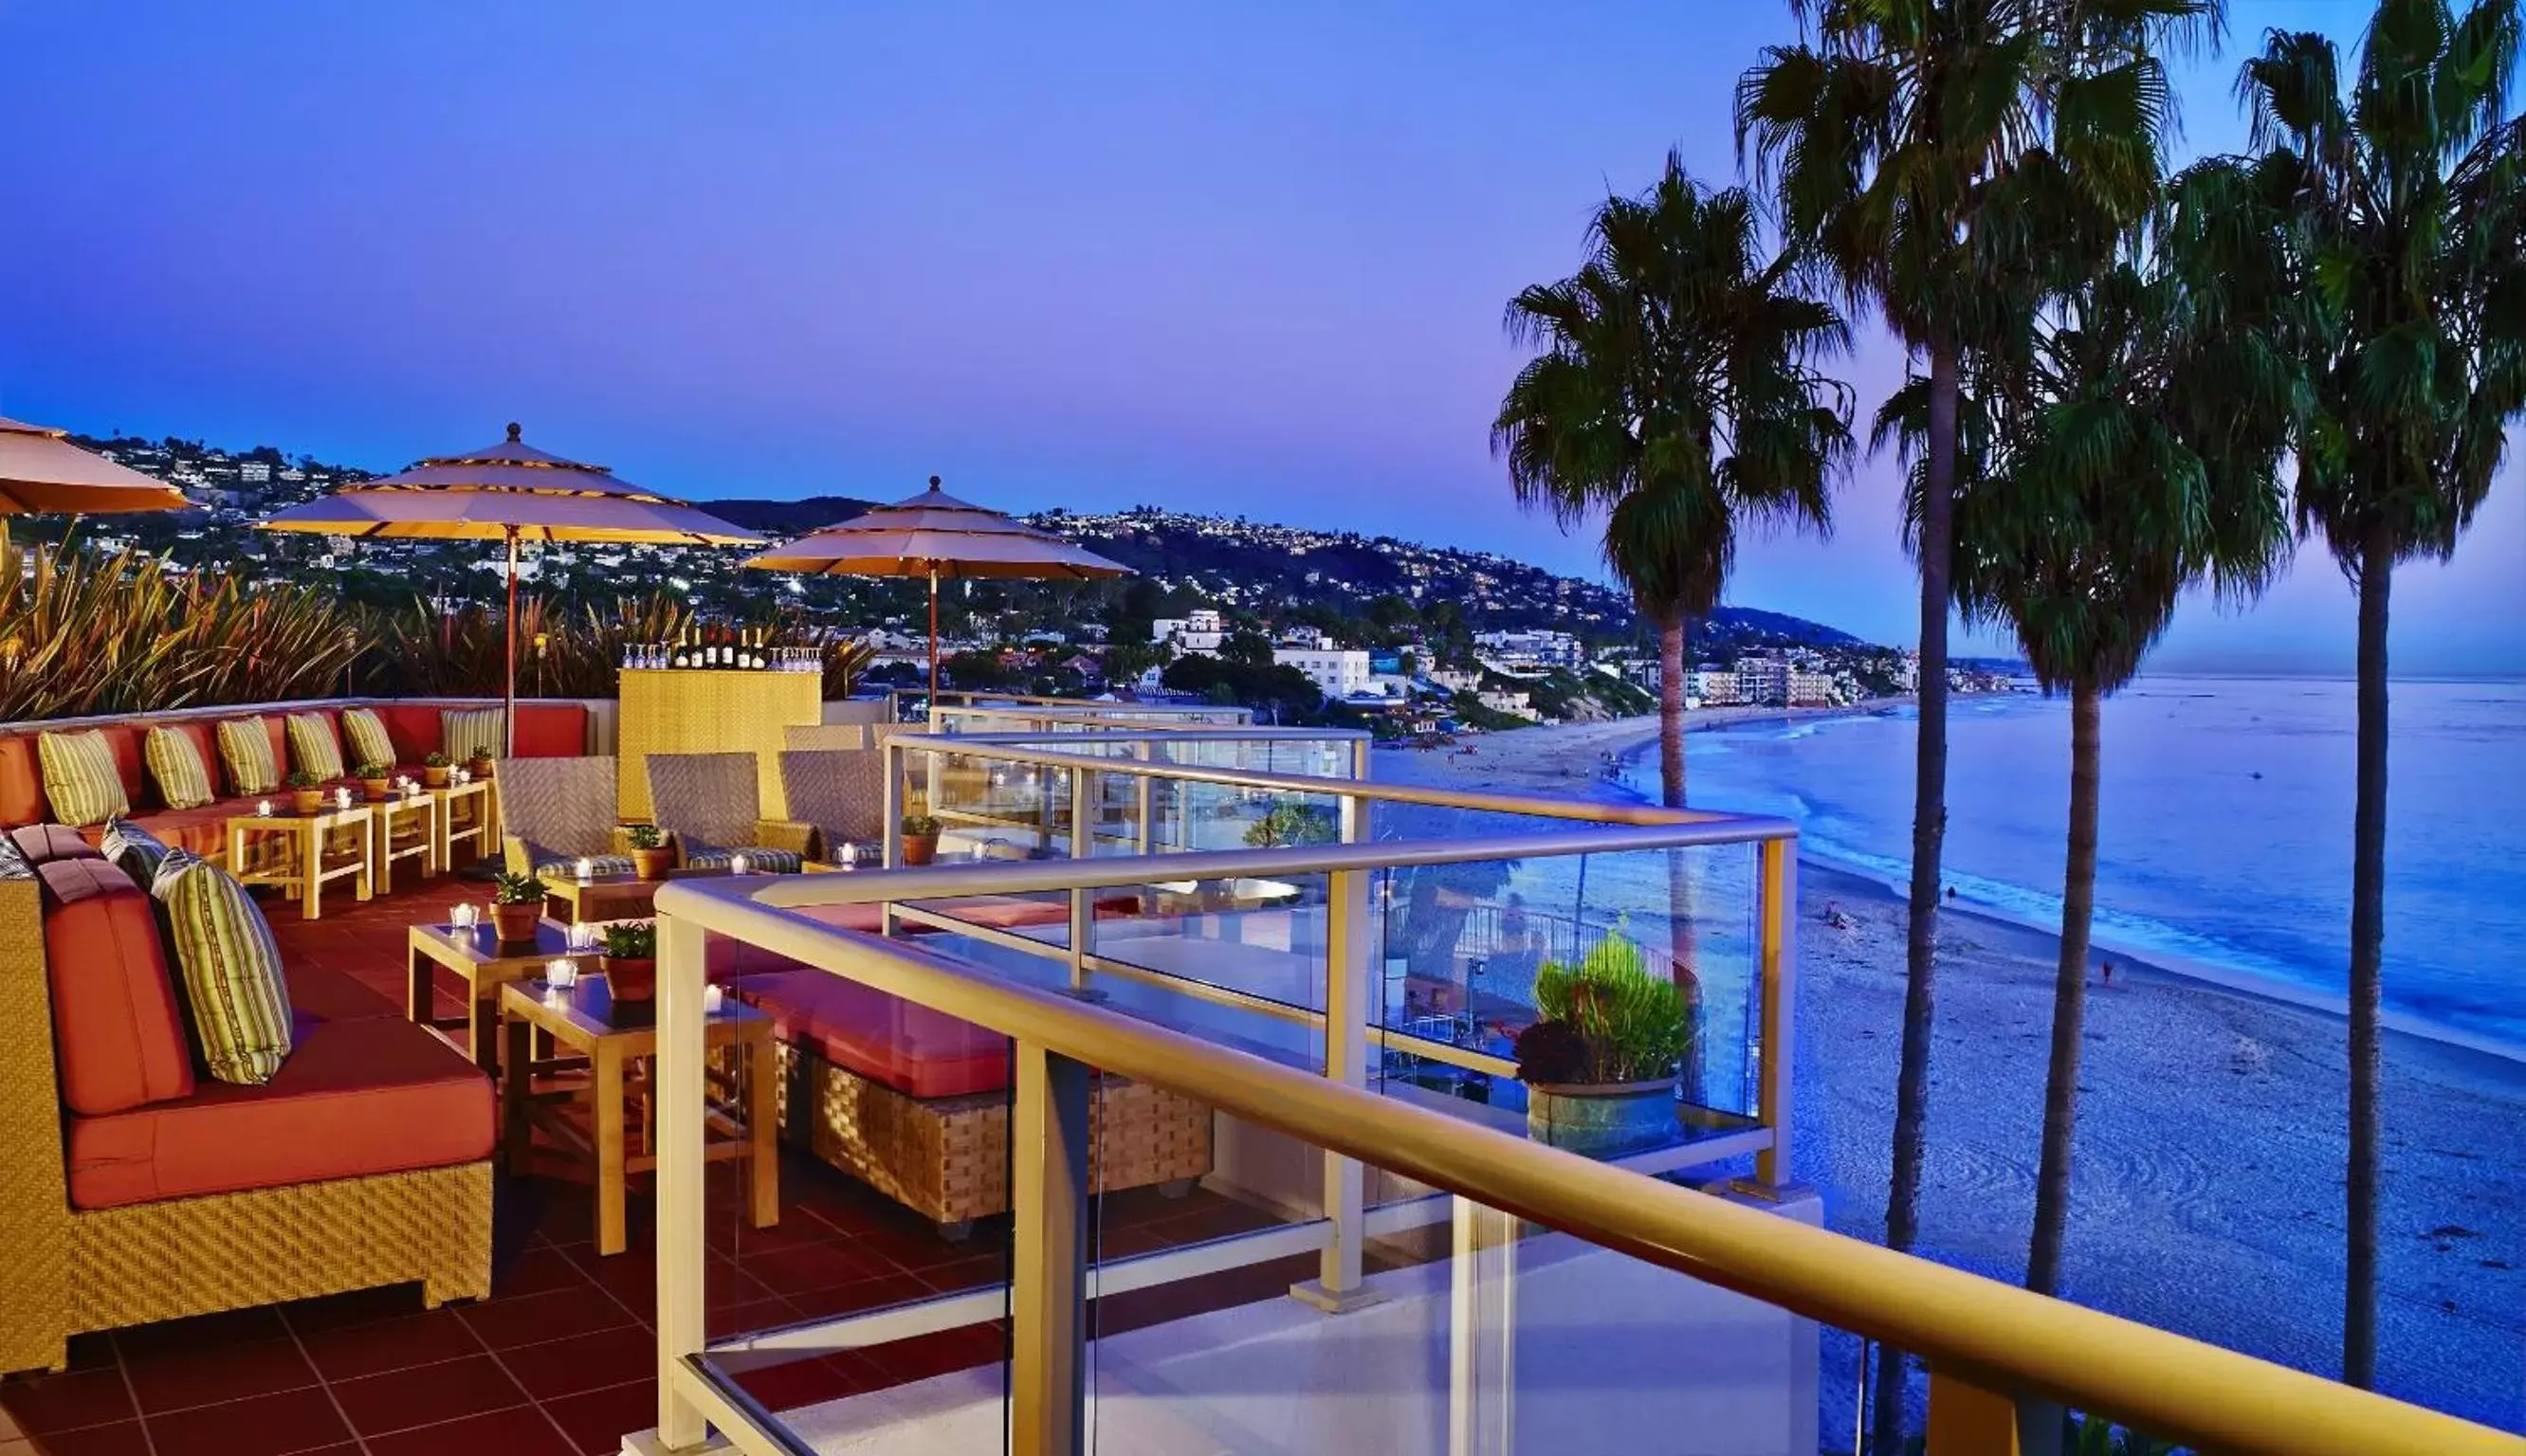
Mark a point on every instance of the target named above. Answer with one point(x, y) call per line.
point(581, 935)
point(850, 856)
point(584, 870)
point(737, 865)
point(263, 808)
point(712, 1000)
point(561, 975)
point(463, 914)
point(342, 798)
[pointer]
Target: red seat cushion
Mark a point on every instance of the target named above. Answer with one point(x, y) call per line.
point(22, 782)
point(117, 1032)
point(551, 730)
point(913, 1049)
point(203, 830)
point(42, 844)
point(413, 729)
point(357, 1097)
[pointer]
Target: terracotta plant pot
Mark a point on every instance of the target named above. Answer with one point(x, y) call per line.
point(307, 800)
point(377, 789)
point(479, 766)
point(515, 925)
point(435, 777)
point(631, 979)
point(653, 864)
point(920, 849)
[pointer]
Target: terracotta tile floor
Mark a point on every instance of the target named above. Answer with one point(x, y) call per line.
point(561, 1358)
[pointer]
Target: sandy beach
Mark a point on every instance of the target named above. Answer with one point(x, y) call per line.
point(2207, 1180)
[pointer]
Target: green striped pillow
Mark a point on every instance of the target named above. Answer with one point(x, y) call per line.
point(466, 729)
point(245, 746)
point(184, 779)
point(312, 746)
point(368, 735)
point(81, 781)
point(230, 966)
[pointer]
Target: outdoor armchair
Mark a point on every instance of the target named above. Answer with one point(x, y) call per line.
point(712, 803)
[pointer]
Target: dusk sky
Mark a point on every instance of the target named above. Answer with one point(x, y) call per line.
point(1246, 259)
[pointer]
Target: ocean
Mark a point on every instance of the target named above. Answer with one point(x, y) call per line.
point(2224, 847)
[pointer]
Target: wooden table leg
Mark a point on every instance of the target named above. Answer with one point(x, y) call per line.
point(762, 1119)
point(311, 869)
point(365, 886)
point(605, 1113)
point(482, 1025)
point(521, 1062)
point(419, 988)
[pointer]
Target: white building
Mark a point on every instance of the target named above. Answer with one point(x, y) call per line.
point(1713, 688)
point(1337, 672)
point(1540, 649)
point(1202, 631)
point(1455, 679)
point(1514, 704)
point(1811, 689)
point(1762, 680)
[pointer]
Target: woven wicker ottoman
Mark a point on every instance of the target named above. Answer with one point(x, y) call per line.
point(947, 1158)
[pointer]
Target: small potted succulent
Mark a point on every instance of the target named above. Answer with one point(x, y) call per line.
point(478, 764)
point(434, 769)
point(517, 907)
point(651, 854)
point(920, 838)
point(372, 780)
point(631, 960)
point(306, 792)
point(1601, 1066)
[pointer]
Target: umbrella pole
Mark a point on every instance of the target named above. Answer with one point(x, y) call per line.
point(509, 702)
point(934, 644)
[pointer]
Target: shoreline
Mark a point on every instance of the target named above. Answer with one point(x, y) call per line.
point(2210, 1142)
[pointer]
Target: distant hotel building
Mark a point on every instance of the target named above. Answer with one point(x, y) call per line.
point(1337, 672)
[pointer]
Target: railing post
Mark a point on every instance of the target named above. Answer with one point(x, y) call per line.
point(890, 828)
point(1967, 1420)
point(1049, 1155)
point(1481, 1332)
point(681, 1108)
point(1337, 1289)
point(1779, 912)
point(1141, 806)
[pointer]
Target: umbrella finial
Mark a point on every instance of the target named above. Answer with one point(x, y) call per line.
point(515, 431)
point(934, 482)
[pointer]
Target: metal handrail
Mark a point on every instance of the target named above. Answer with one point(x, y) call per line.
point(1992, 1335)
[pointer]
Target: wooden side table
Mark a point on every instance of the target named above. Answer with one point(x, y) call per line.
point(312, 853)
point(416, 818)
point(465, 816)
point(600, 897)
point(583, 1020)
point(485, 964)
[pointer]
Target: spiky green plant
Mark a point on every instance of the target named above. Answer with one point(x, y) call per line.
point(1630, 1021)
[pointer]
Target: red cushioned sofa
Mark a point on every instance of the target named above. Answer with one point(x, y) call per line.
point(139, 1188)
point(550, 729)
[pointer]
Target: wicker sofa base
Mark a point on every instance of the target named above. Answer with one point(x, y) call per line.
point(947, 1158)
point(147, 1261)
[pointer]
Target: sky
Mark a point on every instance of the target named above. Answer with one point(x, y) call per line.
point(1245, 258)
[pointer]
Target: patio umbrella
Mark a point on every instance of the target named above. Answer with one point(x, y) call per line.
point(934, 534)
point(508, 492)
point(41, 471)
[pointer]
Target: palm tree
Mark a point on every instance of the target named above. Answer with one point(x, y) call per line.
point(2410, 201)
point(1678, 392)
point(1907, 145)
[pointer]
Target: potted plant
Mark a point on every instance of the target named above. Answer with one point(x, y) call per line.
point(1601, 1067)
point(631, 960)
point(920, 838)
point(306, 792)
point(372, 780)
point(434, 769)
point(517, 907)
point(651, 855)
point(479, 762)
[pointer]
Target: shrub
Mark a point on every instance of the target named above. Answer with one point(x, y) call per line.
point(631, 939)
point(374, 771)
point(301, 779)
point(434, 761)
point(646, 836)
point(518, 889)
point(1628, 1023)
point(919, 825)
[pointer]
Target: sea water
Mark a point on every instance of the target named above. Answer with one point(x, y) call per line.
point(2224, 842)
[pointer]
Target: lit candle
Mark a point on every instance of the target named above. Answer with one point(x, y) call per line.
point(850, 856)
point(736, 865)
point(711, 998)
point(585, 869)
point(263, 808)
point(561, 973)
point(582, 935)
point(342, 797)
point(461, 915)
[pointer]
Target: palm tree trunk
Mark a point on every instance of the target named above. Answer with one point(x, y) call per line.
point(1928, 833)
point(2367, 967)
point(1671, 632)
point(2069, 993)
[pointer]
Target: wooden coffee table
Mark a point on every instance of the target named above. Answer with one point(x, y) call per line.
point(416, 818)
point(484, 963)
point(583, 1020)
point(600, 897)
point(312, 853)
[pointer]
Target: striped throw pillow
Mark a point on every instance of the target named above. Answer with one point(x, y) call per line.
point(466, 729)
point(312, 746)
point(232, 968)
point(245, 746)
point(368, 735)
point(133, 850)
point(80, 779)
point(184, 779)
